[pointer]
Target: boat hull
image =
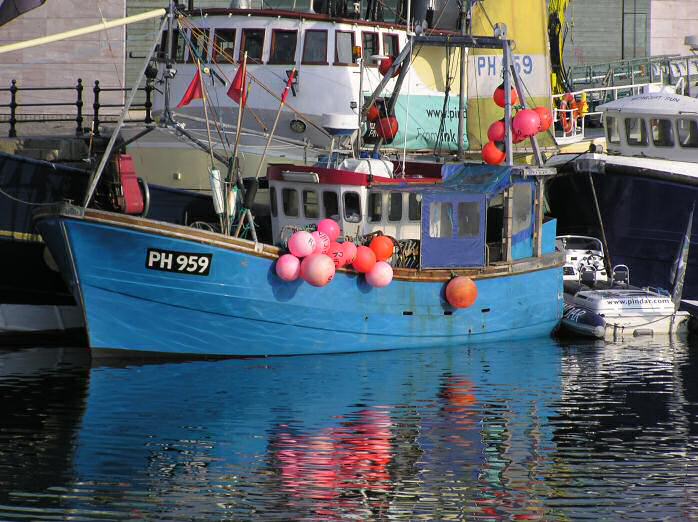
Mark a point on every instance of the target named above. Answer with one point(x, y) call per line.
point(241, 308)
point(644, 214)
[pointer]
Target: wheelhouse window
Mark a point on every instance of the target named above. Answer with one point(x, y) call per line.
point(352, 207)
point(523, 207)
point(662, 133)
point(687, 131)
point(311, 205)
point(390, 44)
point(395, 207)
point(290, 202)
point(315, 47)
point(414, 207)
point(253, 42)
point(440, 220)
point(375, 207)
point(283, 47)
point(370, 48)
point(224, 45)
point(635, 132)
point(330, 204)
point(468, 219)
point(612, 134)
point(343, 44)
point(199, 46)
point(272, 201)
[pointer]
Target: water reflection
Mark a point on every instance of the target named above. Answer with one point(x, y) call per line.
point(510, 431)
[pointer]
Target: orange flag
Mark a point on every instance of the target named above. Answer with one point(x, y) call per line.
point(194, 91)
point(237, 91)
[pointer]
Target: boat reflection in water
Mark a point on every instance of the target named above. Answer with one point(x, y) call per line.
point(514, 431)
point(43, 392)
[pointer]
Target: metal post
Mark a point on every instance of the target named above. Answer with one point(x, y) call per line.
point(78, 105)
point(507, 102)
point(463, 79)
point(13, 109)
point(148, 105)
point(95, 107)
point(522, 100)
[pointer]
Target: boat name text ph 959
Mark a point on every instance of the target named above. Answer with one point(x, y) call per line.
point(180, 262)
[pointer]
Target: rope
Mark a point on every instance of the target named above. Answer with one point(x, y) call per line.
point(29, 203)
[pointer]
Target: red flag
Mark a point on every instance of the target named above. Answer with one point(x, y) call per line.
point(288, 86)
point(237, 91)
point(194, 91)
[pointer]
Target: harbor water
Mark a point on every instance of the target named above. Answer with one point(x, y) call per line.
point(542, 430)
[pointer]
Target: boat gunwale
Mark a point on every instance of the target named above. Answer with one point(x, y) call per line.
point(553, 260)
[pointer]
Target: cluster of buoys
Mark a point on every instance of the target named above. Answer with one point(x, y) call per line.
point(526, 123)
point(314, 257)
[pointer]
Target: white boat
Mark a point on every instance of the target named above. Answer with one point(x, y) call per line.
point(600, 306)
point(640, 190)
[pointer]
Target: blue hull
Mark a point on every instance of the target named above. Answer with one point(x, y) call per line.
point(241, 308)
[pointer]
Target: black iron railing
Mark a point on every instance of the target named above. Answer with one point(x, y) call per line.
point(16, 117)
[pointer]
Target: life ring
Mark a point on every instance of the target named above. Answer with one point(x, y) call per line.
point(568, 103)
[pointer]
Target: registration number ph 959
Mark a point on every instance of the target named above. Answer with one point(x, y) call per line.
point(180, 262)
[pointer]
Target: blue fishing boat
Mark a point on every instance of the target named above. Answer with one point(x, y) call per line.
point(152, 286)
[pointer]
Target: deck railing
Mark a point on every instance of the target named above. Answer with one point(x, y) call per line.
point(17, 116)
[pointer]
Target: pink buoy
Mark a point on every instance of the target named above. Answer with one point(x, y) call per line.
point(329, 227)
point(317, 269)
point(301, 243)
point(288, 267)
point(525, 123)
point(349, 252)
point(380, 275)
point(322, 242)
point(336, 253)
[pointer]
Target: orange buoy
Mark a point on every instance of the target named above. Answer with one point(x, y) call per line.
point(546, 119)
point(461, 292)
point(383, 247)
point(497, 131)
point(386, 64)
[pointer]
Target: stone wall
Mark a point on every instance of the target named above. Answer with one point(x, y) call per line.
point(600, 33)
point(97, 56)
point(671, 22)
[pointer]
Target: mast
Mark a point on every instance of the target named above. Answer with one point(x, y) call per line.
point(168, 75)
point(464, 15)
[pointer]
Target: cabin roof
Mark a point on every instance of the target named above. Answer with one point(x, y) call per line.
point(467, 178)
point(656, 103)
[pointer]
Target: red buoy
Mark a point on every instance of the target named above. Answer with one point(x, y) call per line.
point(498, 96)
point(497, 131)
point(386, 128)
point(386, 64)
point(373, 113)
point(365, 259)
point(525, 123)
point(494, 153)
point(546, 118)
point(461, 292)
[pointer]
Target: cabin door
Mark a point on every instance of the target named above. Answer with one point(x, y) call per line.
point(453, 230)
